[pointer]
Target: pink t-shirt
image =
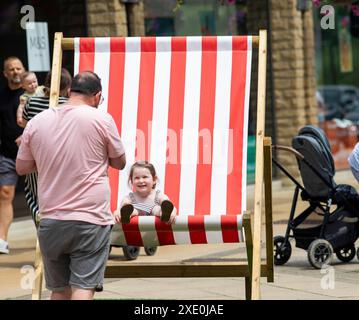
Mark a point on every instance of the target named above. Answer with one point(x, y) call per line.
point(71, 146)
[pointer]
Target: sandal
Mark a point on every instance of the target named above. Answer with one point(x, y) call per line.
point(166, 208)
point(126, 212)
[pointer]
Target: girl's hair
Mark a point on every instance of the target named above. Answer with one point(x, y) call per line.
point(142, 164)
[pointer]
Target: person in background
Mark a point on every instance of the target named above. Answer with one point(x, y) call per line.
point(32, 89)
point(354, 161)
point(9, 135)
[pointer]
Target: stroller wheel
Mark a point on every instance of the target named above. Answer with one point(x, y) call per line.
point(320, 253)
point(150, 251)
point(131, 252)
point(346, 254)
point(282, 251)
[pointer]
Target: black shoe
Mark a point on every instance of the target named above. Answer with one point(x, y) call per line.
point(166, 208)
point(99, 288)
point(126, 212)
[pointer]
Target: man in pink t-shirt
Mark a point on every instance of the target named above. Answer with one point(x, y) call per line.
point(71, 147)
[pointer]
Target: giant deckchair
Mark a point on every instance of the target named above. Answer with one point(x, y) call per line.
point(182, 103)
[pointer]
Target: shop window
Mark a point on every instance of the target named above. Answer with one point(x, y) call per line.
point(338, 83)
point(161, 26)
point(195, 17)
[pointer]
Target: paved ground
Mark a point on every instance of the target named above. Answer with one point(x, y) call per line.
point(297, 280)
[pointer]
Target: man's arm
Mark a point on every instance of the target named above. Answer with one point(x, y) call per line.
point(23, 114)
point(118, 163)
point(114, 145)
point(25, 166)
point(25, 162)
point(23, 123)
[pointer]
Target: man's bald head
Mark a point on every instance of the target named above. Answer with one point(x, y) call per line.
point(87, 83)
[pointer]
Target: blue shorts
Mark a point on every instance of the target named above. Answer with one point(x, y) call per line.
point(8, 175)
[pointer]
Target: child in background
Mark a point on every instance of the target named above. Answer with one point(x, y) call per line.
point(145, 199)
point(32, 89)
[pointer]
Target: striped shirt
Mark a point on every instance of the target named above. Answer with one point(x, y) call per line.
point(34, 106)
point(145, 208)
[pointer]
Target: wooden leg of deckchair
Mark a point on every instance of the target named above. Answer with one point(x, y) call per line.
point(39, 272)
point(249, 245)
point(258, 187)
point(268, 207)
point(56, 70)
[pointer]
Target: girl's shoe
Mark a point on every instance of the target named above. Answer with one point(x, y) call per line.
point(4, 247)
point(126, 212)
point(166, 208)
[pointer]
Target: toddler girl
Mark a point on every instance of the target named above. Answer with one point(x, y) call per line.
point(145, 199)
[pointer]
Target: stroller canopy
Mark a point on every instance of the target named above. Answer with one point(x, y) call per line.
point(312, 143)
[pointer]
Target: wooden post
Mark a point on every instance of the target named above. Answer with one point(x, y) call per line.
point(258, 189)
point(39, 273)
point(54, 95)
point(56, 70)
point(268, 207)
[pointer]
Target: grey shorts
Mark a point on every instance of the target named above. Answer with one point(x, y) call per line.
point(8, 175)
point(74, 253)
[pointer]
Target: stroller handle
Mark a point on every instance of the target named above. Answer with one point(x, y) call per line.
point(289, 149)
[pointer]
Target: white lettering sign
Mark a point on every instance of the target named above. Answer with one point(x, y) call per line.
point(38, 51)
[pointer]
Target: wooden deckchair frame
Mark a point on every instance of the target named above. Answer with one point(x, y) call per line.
point(263, 179)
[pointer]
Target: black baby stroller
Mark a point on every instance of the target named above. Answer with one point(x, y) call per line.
point(330, 223)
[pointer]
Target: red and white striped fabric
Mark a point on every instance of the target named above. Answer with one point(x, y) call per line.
point(182, 104)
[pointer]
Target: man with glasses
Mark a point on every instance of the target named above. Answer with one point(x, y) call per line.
point(86, 87)
point(71, 147)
